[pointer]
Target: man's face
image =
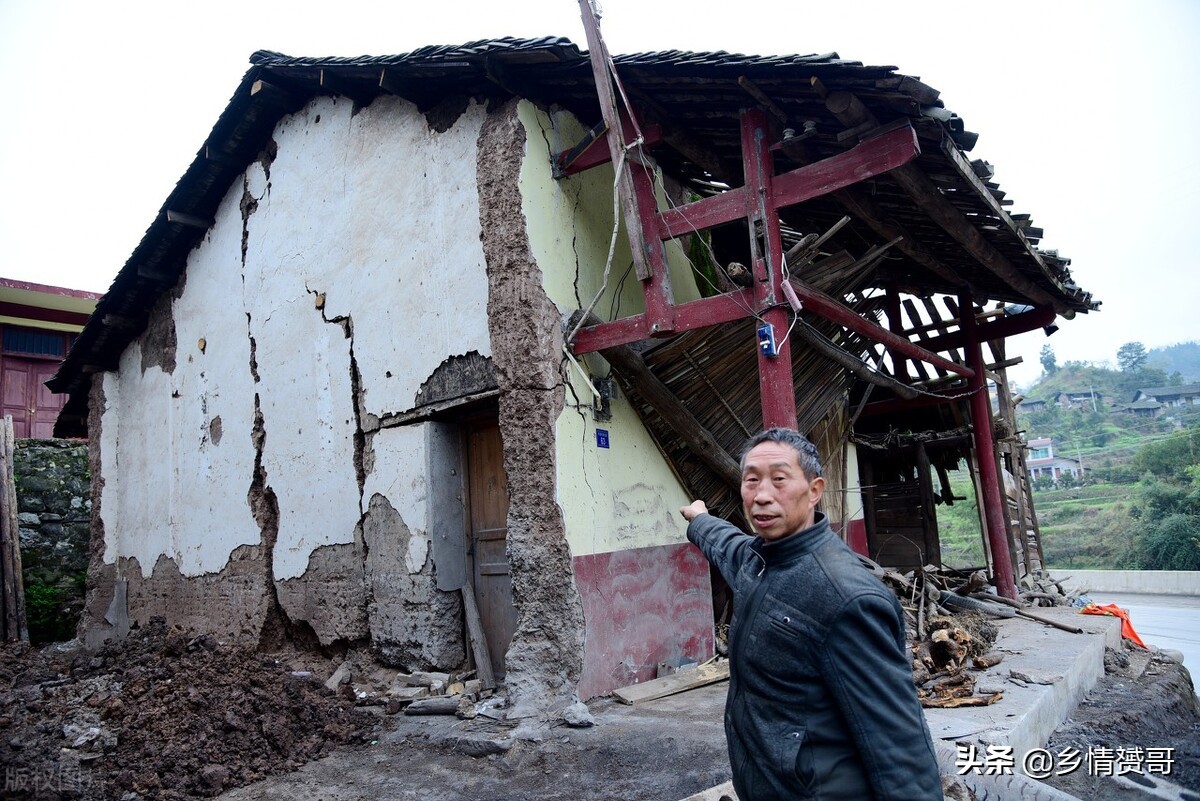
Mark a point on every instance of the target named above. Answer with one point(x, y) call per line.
point(777, 498)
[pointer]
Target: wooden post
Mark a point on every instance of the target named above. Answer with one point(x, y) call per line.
point(896, 325)
point(774, 371)
point(995, 509)
point(13, 625)
point(929, 527)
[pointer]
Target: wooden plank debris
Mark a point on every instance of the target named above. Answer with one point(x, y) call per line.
point(675, 683)
point(479, 646)
point(437, 705)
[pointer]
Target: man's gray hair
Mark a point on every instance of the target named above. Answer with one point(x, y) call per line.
point(806, 452)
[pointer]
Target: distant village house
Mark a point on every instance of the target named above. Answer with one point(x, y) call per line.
point(1045, 463)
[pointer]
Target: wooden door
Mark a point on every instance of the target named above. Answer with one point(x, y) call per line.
point(17, 376)
point(44, 405)
point(24, 395)
point(487, 487)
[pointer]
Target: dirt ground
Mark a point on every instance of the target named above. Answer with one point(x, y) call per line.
point(166, 717)
point(1145, 700)
point(160, 717)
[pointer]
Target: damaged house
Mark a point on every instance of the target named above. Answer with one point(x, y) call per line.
point(385, 369)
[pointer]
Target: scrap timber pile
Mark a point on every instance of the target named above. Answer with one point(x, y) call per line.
point(950, 633)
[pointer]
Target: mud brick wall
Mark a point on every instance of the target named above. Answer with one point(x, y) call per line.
point(53, 511)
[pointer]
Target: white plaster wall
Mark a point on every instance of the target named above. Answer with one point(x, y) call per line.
point(176, 489)
point(380, 215)
point(131, 449)
point(625, 496)
point(400, 475)
point(855, 505)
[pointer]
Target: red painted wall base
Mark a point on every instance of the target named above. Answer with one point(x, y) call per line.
point(641, 607)
point(856, 536)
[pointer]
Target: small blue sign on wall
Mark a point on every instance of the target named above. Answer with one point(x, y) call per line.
point(601, 438)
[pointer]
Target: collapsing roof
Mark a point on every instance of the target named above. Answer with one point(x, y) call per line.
point(944, 216)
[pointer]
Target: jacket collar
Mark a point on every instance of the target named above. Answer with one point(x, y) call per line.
point(795, 545)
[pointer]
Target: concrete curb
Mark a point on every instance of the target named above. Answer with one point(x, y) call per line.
point(1151, 582)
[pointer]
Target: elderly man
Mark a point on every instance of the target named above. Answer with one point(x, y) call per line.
point(821, 701)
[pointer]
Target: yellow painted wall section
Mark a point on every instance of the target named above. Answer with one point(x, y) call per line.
point(626, 495)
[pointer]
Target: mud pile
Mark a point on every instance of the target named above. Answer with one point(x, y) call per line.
point(1145, 700)
point(161, 716)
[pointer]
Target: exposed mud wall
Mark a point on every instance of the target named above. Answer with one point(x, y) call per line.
point(412, 622)
point(331, 595)
point(237, 596)
point(645, 589)
point(545, 657)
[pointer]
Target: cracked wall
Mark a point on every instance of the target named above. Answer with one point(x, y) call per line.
point(545, 657)
point(626, 495)
point(242, 478)
point(245, 481)
point(645, 590)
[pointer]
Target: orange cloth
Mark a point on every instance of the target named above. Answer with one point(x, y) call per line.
point(1115, 611)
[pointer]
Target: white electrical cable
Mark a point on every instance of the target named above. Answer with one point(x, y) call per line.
point(583, 373)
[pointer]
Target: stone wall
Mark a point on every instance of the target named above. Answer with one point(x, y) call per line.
point(54, 506)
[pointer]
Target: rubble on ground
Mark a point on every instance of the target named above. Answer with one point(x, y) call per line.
point(162, 716)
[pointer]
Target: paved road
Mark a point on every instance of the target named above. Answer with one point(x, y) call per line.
point(1168, 621)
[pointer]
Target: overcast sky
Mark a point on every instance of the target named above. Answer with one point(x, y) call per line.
point(1088, 111)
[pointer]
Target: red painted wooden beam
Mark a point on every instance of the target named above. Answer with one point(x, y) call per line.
point(880, 153)
point(777, 388)
point(871, 157)
point(696, 314)
point(9, 309)
point(999, 328)
point(995, 504)
point(592, 151)
point(820, 303)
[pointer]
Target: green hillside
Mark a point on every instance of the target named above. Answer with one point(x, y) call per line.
point(1139, 505)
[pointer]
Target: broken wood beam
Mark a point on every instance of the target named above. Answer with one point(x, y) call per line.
point(815, 340)
point(438, 705)
point(1001, 328)
point(758, 94)
point(835, 311)
point(479, 646)
point(603, 74)
point(629, 364)
point(863, 207)
point(851, 112)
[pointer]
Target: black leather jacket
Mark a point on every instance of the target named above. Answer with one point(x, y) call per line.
point(821, 701)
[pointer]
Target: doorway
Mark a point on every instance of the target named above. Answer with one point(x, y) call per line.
point(487, 524)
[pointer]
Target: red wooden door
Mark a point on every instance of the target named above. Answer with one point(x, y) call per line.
point(487, 486)
point(23, 394)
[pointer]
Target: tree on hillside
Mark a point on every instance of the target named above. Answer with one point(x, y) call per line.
point(1172, 456)
point(1049, 363)
point(1131, 357)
